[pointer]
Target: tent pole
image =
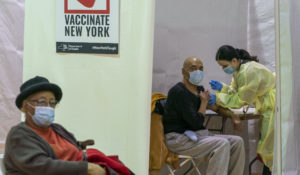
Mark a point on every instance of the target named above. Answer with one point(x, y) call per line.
point(278, 88)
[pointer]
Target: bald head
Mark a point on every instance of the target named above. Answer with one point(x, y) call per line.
point(192, 63)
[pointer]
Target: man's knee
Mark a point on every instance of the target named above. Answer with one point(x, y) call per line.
point(238, 145)
point(221, 149)
point(238, 141)
point(224, 144)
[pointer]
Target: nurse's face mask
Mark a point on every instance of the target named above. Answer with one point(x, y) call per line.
point(229, 67)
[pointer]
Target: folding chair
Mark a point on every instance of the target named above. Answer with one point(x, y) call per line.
point(185, 159)
point(158, 138)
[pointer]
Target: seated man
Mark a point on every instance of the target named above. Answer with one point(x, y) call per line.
point(40, 147)
point(184, 112)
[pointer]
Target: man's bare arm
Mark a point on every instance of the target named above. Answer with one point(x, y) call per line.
point(225, 112)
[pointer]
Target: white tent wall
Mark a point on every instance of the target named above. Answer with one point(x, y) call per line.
point(196, 28)
point(261, 33)
point(293, 141)
point(287, 121)
point(11, 60)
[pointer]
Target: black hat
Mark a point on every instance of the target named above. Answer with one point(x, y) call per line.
point(34, 85)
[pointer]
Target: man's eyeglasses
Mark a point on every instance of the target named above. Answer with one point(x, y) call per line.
point(42, 102)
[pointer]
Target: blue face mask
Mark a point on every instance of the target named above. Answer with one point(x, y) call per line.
point(229, 70)
point(196, 77)
point(43, 115)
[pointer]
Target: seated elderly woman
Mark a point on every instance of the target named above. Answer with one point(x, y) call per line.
point(40, 147)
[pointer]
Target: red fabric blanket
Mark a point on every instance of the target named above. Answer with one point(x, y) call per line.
point(97, 157)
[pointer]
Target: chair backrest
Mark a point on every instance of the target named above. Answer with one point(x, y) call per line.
point(159, 153)
point(158, 149)
point(160, 106)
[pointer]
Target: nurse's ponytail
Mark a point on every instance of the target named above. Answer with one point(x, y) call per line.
point(227, 53)
point(244, 55)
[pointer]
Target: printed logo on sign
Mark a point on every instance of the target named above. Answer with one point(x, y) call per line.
point(87, 6)
point(87, 3)
point(69, 47)
point(63, 47)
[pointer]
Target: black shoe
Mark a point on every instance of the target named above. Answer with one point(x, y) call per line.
point(266, 171)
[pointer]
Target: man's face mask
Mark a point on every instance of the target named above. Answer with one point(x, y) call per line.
point(196, 77)
point(43, 115)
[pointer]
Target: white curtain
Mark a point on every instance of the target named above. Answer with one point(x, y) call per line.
point(195, 28)
point(289, 97)
point(11, 59)
point(261, 33)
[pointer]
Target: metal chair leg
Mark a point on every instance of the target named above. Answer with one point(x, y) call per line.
point(186, 159)
point(198, 171)
point(170, 170)
point(250, 165)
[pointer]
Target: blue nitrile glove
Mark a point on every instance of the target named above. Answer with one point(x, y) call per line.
point(216, 85)
point(191, 135)
point(212, 100)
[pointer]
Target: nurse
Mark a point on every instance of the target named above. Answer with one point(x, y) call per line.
point(252, 83)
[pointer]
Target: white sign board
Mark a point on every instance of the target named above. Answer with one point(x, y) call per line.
point(87, 26)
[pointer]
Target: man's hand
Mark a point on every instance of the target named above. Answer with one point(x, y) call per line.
point(204, 96)
point(94, 169)
point(236, 123)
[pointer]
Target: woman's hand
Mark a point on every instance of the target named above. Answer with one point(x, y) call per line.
point(212, 100)
point(216, 85)
point(94, 169)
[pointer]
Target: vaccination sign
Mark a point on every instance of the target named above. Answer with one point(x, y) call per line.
point(87, 26)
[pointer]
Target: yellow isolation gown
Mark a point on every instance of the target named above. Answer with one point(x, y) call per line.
point(254, 84)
